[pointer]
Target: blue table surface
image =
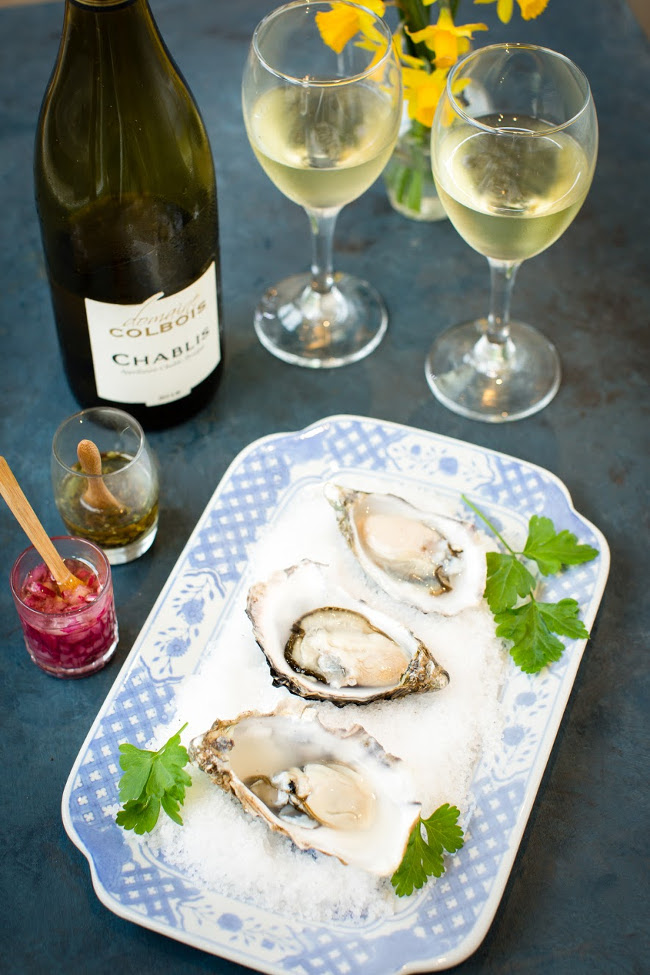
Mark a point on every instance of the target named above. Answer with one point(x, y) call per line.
point(576, 900)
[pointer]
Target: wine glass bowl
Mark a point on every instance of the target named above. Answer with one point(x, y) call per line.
point(322, 118)
point(514, 144)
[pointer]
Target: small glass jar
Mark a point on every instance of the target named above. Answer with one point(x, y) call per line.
point(116, 509)
point(77, 640)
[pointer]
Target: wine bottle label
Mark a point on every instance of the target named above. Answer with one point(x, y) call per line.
point(157, 351)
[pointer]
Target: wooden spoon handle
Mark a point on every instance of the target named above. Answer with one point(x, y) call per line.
point(26, 517)
point(97, 495)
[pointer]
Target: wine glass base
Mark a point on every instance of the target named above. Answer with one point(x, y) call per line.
point(494, 383)
point(321, 331)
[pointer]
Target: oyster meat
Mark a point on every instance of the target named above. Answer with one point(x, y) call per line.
point(329, 790)
point(430, 561)
point(323, 644)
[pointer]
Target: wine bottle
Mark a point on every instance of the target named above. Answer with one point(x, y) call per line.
point(126, 198)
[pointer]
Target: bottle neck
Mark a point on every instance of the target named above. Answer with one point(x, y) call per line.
point(102, 4)
point(107, 26)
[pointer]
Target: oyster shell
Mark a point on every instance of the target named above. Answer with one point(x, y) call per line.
point(323, 644)
point(330, 790)
point(429, 561)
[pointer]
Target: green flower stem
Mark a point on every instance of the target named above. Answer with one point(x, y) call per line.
point(420, 133)
point(406, 184)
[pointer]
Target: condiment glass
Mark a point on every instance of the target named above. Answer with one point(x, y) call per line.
point(116, 507)
point(80, 640)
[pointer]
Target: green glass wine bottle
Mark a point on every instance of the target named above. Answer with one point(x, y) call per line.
point(126, 198)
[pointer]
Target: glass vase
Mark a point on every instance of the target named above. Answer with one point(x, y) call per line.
point(407, 176)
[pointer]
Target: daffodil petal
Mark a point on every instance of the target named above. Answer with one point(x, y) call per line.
point(532, 8)
point(466, 30)
point(338, 26)
point(504, 10)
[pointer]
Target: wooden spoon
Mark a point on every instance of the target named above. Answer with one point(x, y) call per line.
point(26, 517)
point(96, 495)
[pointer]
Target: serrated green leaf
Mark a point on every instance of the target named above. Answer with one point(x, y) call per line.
point(161, 778)
point(443, 830)
point(130, 755)
point(171, 805)
point(183, 780)
point(432, 860)
point(173, 753)
point(151, 780)
point(423, 858)
point(562, 618)
point(411, 874)
point(532, 625)
point(550, 550)
point(141, 817)
point(136, 763)
point(507, 580)
point(129, 815)
point(534, 646)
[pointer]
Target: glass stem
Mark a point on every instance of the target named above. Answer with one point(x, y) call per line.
point(322, 223)
point(502, 279)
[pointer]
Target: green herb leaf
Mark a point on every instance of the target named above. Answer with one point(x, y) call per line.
point(419, 863)
point(139, 815)
point(443, 830)
point(563, 618)
point(507, 579)
point(161, 779)
point(151, 780)
point(550, 550)
point(534, 645)
point(171, 805)
point(423, 857)
point(531, 626)
point(136, 764)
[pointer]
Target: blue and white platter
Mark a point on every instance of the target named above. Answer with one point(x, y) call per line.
point(445, 922)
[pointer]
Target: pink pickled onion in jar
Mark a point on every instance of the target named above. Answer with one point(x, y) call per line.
point(68, 632)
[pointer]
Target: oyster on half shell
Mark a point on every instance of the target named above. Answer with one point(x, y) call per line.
point(329, 790)
point(427, 560)
point(323, 644)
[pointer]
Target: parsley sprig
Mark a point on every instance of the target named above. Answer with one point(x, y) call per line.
point(423, 857)
point(151, 780)
point(531, 625)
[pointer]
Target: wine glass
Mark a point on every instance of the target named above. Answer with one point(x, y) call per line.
point(513, 145)
point(322, 123)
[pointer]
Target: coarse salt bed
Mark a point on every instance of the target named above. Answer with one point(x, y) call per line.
point(440, 735)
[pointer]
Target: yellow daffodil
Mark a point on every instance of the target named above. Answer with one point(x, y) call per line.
point(422, 91)
point(340, 24)
point(529, 8)
point(426, 55)
point(447, 40)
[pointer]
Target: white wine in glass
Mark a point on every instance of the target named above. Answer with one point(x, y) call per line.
point(322, 124)
point(513, 155)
